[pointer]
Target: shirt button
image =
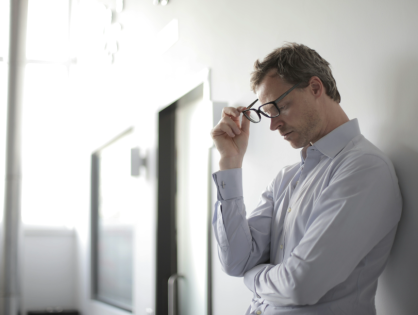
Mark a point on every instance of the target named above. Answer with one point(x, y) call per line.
point(258, 312)
point(290, 209)
point(281, 246)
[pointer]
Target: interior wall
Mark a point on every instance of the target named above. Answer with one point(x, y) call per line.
point(372, 48)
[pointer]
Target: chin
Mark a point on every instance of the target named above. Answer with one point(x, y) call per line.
point(298, 144)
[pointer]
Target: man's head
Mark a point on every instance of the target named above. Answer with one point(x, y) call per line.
point(296, 63)
point(311, 110)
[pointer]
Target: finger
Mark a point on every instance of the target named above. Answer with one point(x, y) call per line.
point(224, 128)
point(245, 124)
point(230, 112)
point(233, 124)
point(228, 130)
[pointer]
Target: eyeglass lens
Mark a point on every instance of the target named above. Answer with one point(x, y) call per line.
point(252, 115)
point(270, 110)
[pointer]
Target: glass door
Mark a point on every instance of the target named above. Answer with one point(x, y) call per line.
point(193, 122)
point(183, 285)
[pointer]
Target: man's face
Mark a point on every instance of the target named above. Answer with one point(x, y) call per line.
point(299, 121)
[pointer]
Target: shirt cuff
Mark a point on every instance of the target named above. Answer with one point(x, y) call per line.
point(249, 277)
point(229, 183)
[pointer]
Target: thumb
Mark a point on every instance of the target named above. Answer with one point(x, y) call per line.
point(245, 124)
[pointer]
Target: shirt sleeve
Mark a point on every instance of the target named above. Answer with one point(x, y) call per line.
point(242, 243)
point(360, 206)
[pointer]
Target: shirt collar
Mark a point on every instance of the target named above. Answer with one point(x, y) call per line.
point(332, 144)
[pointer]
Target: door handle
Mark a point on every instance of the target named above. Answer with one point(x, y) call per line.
point(172, 293)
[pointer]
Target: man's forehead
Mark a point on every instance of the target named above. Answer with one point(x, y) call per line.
point(271, 87)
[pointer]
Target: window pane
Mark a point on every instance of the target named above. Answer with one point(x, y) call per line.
point(47, 143)
point(48, 30)
point(117, 208)
point(4, 27)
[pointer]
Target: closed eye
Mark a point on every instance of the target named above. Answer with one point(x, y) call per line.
point(283, 107)
point(269, 109)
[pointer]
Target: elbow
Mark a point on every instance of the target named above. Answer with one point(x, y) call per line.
point(233, 271)
point(232, 267)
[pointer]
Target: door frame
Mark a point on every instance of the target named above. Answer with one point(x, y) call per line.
point(166, 259)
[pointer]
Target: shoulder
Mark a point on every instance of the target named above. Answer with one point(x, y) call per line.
point(360, 150)
point(360, 155)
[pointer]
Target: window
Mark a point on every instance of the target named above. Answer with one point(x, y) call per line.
point(114, 206)
point(47, 120)
point(48, 31)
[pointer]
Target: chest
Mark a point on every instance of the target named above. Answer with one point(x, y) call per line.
point(293, 208)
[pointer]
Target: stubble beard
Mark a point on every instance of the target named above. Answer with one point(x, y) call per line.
point(308, 130)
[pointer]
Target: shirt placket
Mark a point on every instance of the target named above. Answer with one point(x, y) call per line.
point(311, 161)
point(291, 189)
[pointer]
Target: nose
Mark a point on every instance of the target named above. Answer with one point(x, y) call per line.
point(276, 123)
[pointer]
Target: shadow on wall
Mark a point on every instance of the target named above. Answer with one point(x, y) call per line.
point(398, 285)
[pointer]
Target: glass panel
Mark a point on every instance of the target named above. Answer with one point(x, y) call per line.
point(47, 133)
point(192, 204)
point(48, 30)
point(4, 27)
point(117, 209)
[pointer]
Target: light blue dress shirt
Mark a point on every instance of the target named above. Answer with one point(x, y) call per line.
point(321, 234)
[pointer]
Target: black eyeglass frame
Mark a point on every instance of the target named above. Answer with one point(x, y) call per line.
point(258, 111)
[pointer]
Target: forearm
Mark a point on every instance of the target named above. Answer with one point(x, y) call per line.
point(275, 283)
point(243, 243)
point(233, 237)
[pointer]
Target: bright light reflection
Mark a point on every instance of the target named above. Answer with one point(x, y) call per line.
point(47, 182)
point(48, 30)
point(118, 189)
point(192, 201)
point(4, 29)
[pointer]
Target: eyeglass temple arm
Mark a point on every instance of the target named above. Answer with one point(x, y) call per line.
point(251, 105)
point(290, 90)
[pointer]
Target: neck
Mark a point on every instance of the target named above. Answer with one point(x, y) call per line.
point(304, 150)
point(334, 116)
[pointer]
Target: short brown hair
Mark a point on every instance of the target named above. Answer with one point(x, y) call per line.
point(296, 63)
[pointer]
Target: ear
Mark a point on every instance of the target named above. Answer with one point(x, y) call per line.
point(316, 86)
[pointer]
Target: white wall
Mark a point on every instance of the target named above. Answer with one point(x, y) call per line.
point(372, 48)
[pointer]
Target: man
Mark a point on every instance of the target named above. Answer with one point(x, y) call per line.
point(322, 232)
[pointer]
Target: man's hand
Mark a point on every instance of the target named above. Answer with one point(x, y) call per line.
point(231, 137)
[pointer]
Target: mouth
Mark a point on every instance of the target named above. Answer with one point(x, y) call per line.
point(286, 135)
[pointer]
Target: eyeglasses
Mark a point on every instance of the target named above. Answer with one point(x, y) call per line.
point(269, 110)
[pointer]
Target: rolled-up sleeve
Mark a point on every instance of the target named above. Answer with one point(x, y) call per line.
point(359, 208)
point(242, 243)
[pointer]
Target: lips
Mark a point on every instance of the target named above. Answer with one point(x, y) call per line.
point(287, 134)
